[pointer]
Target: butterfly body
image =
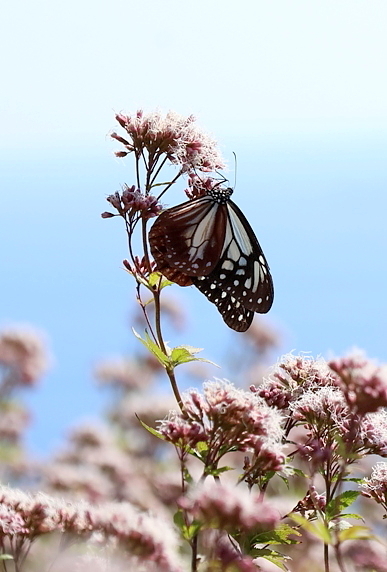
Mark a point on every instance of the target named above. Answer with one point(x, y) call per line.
point(209, 243)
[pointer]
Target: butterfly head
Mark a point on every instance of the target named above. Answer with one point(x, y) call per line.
point(220, 194)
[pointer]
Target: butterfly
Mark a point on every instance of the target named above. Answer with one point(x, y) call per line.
point(208, 242)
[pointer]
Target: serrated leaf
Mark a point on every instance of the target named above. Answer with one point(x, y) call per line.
point(185, 354)
point(317, 528)
point(280, 535)
point(337, 504)
point(153, 348)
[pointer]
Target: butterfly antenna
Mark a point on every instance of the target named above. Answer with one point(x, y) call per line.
point(236, 165)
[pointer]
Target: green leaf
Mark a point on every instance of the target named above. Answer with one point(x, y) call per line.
point(178, 519)
point(201, 447)
point(189, 531)
point(185, 354)
point(337, 504)
point(280, 535)
point(352, 515)
point(291, 471)
point(217, 472)
point(355, 533)
point(187, 476)
point(157, 279)
point(151, 430)
point(6, 557)
point(272, 556)
point(317, 528)
point(153, 348)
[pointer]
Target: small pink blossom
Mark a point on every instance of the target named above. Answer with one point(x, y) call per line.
point(132, 201)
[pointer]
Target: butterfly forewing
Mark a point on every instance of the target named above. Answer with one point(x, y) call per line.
point(189, 238)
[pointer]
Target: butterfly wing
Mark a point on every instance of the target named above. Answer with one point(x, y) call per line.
point(187, 240)
point(236, 316)
point(241, 283)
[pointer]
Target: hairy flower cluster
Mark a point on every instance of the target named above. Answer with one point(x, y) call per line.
point(28, 516)
point(376, 486)
point(363, 383)
point(132, 201)
point(227, 418)
point(374, 433)
point(176, 136)
point(22, 355)
point(291, 377)
point(229, 508)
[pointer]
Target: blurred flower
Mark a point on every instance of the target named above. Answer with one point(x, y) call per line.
point(172, 134)
point(13, 421)
point(363, 383)
point(367, 556)
point(22, 356)
point(124, 373)
point(146, 536)
point(148, 408)
point(81, 480)
point(229, 508)
point(11, 523)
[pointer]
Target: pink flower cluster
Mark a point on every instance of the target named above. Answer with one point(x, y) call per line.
point(22, 355)
point(131, 201)
point(176, 136)
point(227, 419)
point(363, 383)
point(26, 517)
point(229, 508)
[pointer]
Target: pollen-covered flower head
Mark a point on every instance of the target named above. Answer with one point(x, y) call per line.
point(174, 135)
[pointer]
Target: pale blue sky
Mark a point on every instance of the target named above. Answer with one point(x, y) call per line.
point(298, 89)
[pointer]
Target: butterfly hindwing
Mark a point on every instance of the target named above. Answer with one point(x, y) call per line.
point(236, 316)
